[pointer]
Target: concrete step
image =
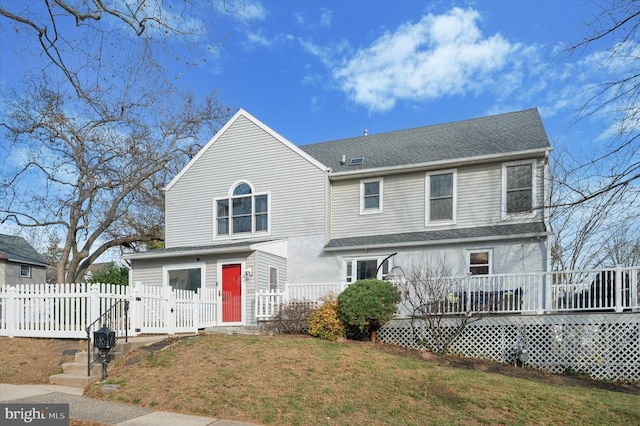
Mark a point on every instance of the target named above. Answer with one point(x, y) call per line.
point(75, 380)
point(253, 330)
point(81, 368)
point(81, 357)
point(75, 373)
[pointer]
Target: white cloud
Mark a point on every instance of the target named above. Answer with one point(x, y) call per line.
point(438, 56)
point(244, 10)
point(326, 17)
point(257, 38)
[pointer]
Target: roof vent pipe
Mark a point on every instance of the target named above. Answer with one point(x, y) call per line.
point(366, 132)
point(344, 159)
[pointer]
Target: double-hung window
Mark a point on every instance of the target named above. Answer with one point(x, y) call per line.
point(518, 188)
point(371, 196)
point(479, 262)
point(243, 212)
point(25, 270)
point(441, 197)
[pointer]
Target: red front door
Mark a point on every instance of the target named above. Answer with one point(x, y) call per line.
point(231, 293)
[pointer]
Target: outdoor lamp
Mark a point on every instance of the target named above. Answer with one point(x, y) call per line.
point(104, 340)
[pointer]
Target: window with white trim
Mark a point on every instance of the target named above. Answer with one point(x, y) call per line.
point(518, 188)
point(479, 262)
point(365, 268)
point(25, 270)
point(184, 277)
point(243, 212)
point(273, 278)
point(441, 196)
point(371, 196)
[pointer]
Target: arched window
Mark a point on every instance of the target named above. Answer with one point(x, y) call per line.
point(243, 211)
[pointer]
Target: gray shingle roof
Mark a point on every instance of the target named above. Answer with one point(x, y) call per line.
point(17, 249)
point(433, 237)
point(244, 245)
point(493, 135)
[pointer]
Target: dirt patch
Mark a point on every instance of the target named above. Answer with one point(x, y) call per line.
point(31, 361)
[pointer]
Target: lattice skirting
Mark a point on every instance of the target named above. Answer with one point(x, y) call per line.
point(604, 346)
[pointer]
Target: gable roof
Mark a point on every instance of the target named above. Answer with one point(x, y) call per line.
point(480, 138)
point(242, 113)
point(17, 249)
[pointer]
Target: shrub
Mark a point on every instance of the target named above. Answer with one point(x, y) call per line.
point(292, 318)
point(325, 322)
point(113, 275)
point(368, 304)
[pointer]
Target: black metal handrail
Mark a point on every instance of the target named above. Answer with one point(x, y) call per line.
point(108, 318)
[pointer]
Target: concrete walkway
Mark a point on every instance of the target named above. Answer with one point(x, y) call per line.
point(106, 412)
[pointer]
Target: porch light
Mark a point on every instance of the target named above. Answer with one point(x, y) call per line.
point(104, 340)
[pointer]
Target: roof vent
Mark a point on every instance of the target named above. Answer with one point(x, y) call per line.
point(366, 132)
point(344, 160)
point(357, 161)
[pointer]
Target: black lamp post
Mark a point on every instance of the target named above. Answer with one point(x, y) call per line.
point(104, 340)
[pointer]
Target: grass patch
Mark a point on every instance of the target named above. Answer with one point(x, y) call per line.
point(295, 380)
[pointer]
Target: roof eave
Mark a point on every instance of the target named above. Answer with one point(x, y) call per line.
point(242, 247)
point(441, 242)
point(434, 165)
point(179, 253)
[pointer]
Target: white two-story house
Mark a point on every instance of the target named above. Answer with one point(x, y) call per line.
point(253, 211)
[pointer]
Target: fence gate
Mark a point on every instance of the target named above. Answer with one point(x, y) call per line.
point(160, 309)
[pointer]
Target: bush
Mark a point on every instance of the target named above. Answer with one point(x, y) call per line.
point(114, 274)
point(368, 304)
point(324, 322)
point(292, 318)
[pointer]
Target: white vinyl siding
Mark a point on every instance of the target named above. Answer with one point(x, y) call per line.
point(264, 263)
point(478, 198)
point(403, 207)
point(297, 188)
point(478, 195)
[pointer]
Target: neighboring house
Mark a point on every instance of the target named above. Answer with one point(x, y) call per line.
point(252, 211)
point(20, 263)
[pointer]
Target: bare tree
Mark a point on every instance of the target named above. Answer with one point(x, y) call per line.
point(97, 177)
point(98, 126)
point(616, 168)
point(433, 300)
point(95, 170)
point(584, 233)
point(75, 36)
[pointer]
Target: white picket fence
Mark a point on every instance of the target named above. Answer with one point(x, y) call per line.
point(66, 310)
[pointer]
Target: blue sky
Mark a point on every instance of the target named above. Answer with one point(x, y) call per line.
point(318, 70)
point(323, 70)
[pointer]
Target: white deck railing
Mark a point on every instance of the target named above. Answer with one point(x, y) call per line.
point(533, 293)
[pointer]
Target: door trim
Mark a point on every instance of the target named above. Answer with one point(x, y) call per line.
point(243, 290)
